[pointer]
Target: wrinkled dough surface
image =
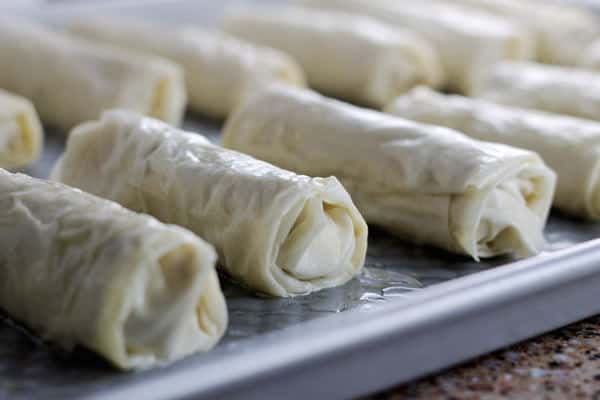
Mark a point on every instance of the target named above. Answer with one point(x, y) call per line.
point(570, 146)
point(266, 223)
point(70, 81)
point(427, 184)
point(80, 270)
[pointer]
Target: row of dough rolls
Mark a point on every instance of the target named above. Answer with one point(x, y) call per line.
point(140, 292)
point(563, 33)
point(425, 183)
point(21, 135)
point(81, 270)
point(220, 70)
point(275, 231)
point(70, 80)
point(570, 146)
point(466, 41)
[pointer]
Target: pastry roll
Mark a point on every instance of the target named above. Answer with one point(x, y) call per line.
point(70, 80)
point(81, 270)
point(561, 90)
point(276, 232)
point(466, 41)
point(219, 70)
point(562, 31)
point(570, 146)
point(356, 58)
point(427, 184)
point(21, 135)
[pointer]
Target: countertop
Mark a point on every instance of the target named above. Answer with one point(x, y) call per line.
point(564, 364)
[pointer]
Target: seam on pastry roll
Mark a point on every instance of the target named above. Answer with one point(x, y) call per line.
point(71, 80)
point(427, 184)
point(81, 270)
point(21, 134)
point(570, 146)
point(219, 69)
point(466, 40)
point(276, 232)
point(557, 27)
point(385, 61)
point(561, 90)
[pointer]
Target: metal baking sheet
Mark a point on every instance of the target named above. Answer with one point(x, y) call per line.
point(412, 311)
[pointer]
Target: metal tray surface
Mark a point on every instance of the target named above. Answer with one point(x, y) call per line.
point(412, 311)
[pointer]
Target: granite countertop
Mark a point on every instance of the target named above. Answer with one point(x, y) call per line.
point(564, 364)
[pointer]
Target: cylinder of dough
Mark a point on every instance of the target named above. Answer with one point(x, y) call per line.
point(276, 232)
point(570, 146)
point(80, 270)
point(70, 80)
point(427, 184)
point(356, 58)
point(219, 69)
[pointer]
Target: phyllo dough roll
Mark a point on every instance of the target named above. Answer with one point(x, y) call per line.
point(21, 135)
point(570, 146)
point(356, 58)
point(276, 232)
point(81, 270)
point(71, 80)
point(427, 184)
point(466, 41)
point(563, 31)
point(219, 69)
point(560, 90)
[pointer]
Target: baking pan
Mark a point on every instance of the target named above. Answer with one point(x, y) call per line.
point(414, 310)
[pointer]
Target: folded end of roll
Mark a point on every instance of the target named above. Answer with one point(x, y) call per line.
point(322, 242)
point(507, 217)
point(25, 144)
point(279, 68)
point(169, 96)
point(398, 72)
point(167, 308)
point(519, 46)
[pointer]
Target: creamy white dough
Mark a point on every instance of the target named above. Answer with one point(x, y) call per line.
point(80, 270)
point(427, 184)
point(561, 90)
point(219, 69)
point(563, 32)
point(356, 58)
point(570, 146)
point(21, 135)
point(70, 80)
point(466, 41)
point(276, 232)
